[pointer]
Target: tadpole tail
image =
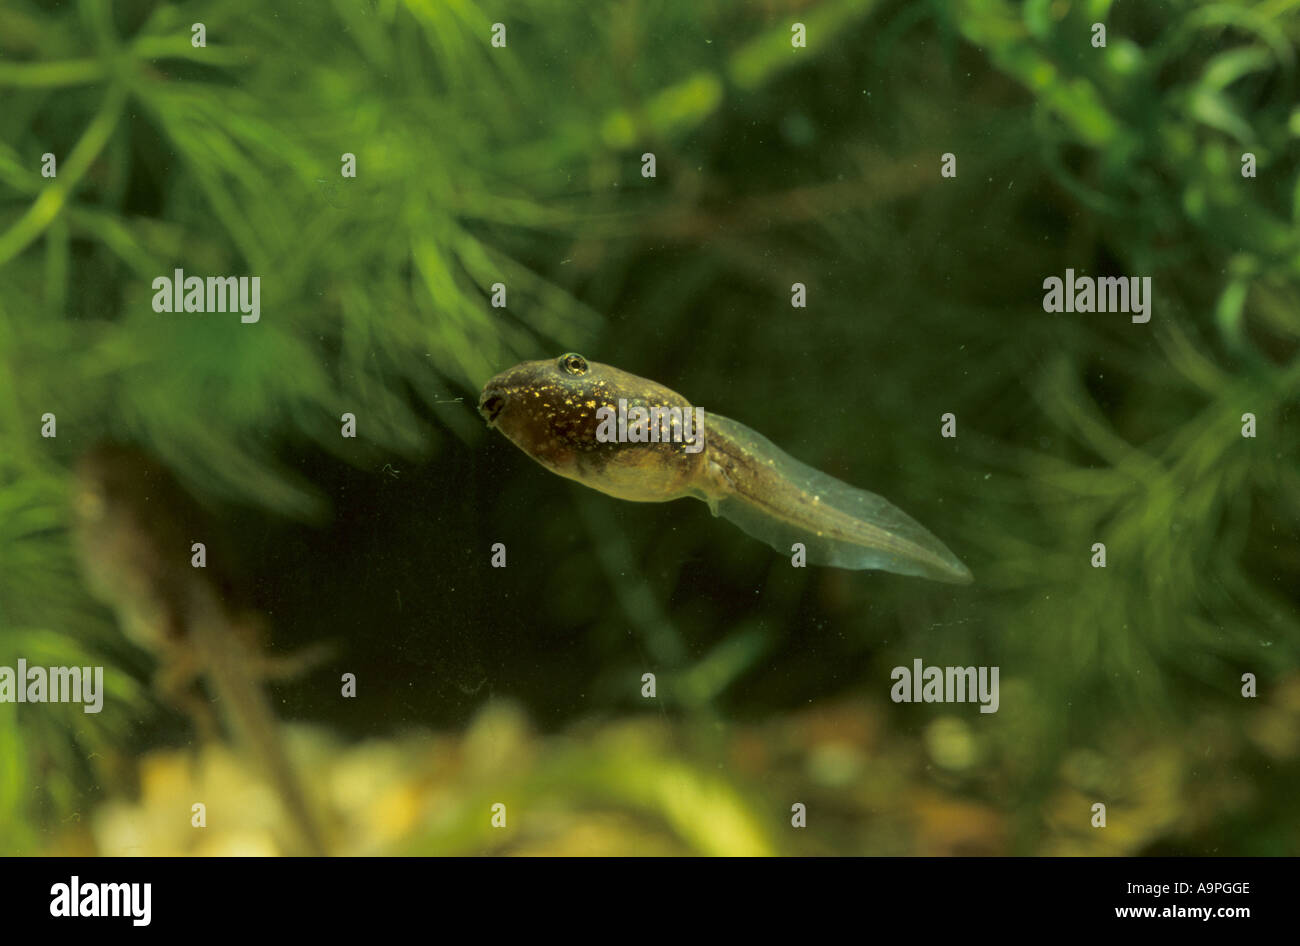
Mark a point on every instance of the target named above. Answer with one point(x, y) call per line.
point(781, 501)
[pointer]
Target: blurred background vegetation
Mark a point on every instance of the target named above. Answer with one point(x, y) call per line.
point(775, 165)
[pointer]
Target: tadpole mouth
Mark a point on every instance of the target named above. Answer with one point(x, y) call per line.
point(491, 405)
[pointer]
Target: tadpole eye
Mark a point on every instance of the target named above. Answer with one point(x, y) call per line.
point(573, 363)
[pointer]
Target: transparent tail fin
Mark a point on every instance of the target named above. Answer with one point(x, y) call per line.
point(777, 499)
